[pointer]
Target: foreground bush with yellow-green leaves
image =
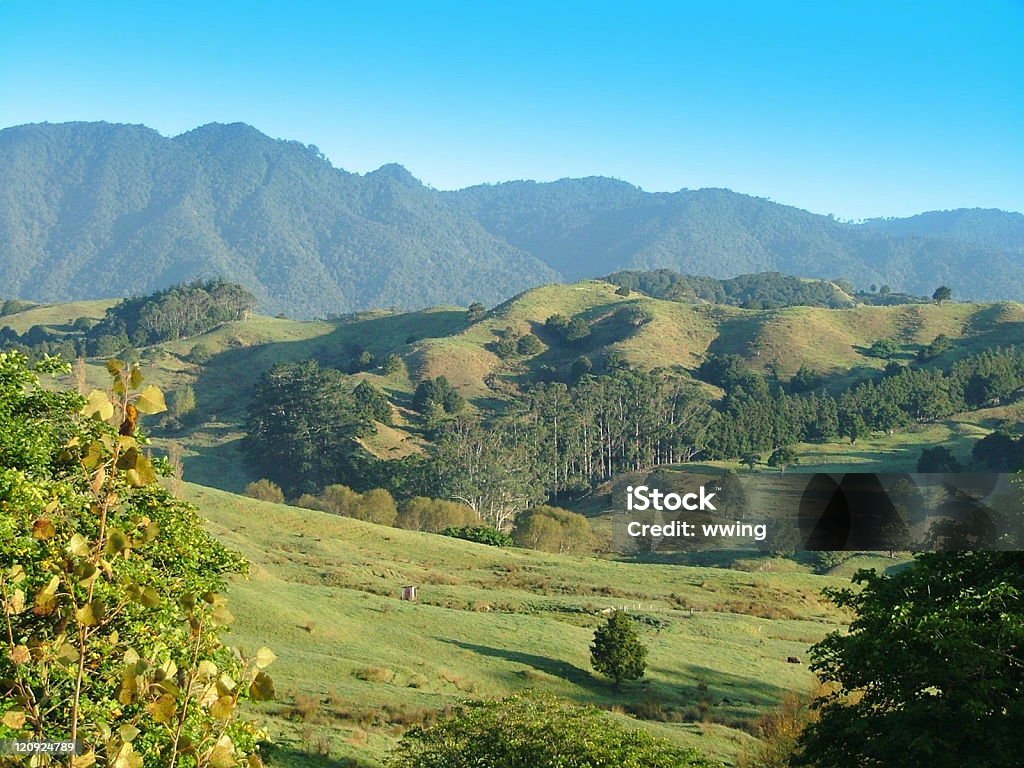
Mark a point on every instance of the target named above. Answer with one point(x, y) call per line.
point(537, 730)
point(109, 588)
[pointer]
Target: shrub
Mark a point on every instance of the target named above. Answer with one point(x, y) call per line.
point(551, 529)
point(480, 534)
point(618, 652)
point(181, 402)
point(539, 731)
point(265, 490)
point(376, 506)
point(435, 515)
point(884, 348)
point(529, 345)
point(200, 354)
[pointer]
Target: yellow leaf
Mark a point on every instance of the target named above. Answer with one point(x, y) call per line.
point(14, 719)
point(42, 529)
point(21, 655)
point(91, 614)
point(98, 479)
point(127, 757)
point(163, 709)
point(223, 755)
point(46, 598)
point(262, 687)
point(84, 761)
point(94, 455)
point(78, 546)
point(225, 684)
point(116, 541)
point(98, 406)
point(115, 366)
point(67, 654)
point(222, 616)
point(136, 377)
point(151, 598)
point(142, 473)
point(151, 400)
point(16, 602)
point(265, 657)
point(222, 708)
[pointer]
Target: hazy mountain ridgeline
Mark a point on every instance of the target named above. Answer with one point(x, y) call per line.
point(583, 227)
point(97, 210)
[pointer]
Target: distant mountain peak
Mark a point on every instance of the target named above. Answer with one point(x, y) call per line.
point(396, 172)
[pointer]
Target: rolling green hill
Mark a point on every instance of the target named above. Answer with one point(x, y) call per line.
point(443, 342)
point(357, 665)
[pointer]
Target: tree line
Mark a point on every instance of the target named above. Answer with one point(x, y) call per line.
point(558, 441)
point(179, 312)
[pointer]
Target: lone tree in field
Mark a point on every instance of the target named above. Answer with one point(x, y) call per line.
point(618, 652)
point(783, 457)
point(942, 293)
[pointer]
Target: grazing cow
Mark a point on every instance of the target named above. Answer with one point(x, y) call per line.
point(794, 660)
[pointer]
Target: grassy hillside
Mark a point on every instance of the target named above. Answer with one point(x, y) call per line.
point(357, 664)
point(442, 341)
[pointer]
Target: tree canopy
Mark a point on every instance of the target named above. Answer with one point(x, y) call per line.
point(302, 428)
point(618, 651)
point(931, 672)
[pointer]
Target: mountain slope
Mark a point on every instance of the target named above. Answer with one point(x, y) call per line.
point(90, 210)
point(586, 226)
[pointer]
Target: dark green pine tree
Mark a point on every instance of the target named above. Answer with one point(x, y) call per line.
point(618, 652)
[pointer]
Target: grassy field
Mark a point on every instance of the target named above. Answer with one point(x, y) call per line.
point(357, 665)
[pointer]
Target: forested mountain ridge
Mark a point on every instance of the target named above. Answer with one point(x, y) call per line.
point(84, 205)
point(94, 210)
point(583, 226)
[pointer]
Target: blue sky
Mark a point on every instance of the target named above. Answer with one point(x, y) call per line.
point(853, 108)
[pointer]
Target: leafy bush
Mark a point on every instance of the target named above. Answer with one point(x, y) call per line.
point(437, 393)
point(529, 345)
point(181, 402)
point(372, 402)
point(480, 534)
point(265, 490)
point(884, 349)
point(375, 506)
point(551, 529)
point(435, 515)
point(539, 731)
point(109, 587)
point(928, 675)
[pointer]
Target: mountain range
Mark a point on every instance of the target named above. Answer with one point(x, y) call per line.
point(91, 210)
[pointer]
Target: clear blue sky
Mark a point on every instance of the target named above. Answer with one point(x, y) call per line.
point(853, 108)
